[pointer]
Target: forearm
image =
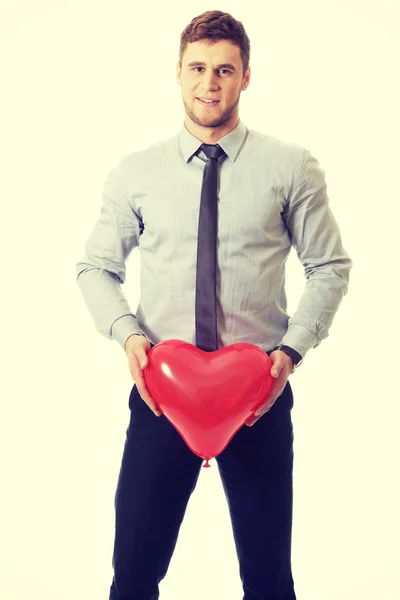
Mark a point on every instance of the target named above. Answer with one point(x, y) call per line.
point(317, 307)
point(107, 304)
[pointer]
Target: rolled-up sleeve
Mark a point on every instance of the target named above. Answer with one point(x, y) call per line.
point(102, 269)
point(316, 238)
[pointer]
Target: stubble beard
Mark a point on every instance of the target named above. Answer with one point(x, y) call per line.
point(212, 122)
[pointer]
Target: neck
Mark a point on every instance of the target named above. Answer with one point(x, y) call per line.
point(210, 135)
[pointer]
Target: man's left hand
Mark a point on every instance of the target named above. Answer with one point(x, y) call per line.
point(282, 366)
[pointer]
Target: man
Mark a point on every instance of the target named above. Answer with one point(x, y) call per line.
point(272, 195)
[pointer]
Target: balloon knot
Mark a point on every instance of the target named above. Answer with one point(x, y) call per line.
point(207, 464)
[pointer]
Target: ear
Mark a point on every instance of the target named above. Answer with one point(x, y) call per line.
point(178, 73)
point(246, 79)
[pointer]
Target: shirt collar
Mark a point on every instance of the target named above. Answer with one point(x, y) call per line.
point(230, 143)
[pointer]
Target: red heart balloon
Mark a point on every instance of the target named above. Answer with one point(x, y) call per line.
point(207, 396)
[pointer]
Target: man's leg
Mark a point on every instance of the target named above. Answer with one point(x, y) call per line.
point(256, 471)
point(158, 474)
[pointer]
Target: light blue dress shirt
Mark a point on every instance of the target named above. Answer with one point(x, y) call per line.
point(272, 195)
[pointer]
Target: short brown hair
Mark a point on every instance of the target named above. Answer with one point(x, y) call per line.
point(215, 25)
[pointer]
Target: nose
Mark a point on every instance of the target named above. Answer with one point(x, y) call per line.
point(209, 81)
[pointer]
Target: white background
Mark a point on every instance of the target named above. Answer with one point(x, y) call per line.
point(83, 83)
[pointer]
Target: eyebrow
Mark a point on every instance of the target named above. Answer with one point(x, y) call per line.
point(203, 64)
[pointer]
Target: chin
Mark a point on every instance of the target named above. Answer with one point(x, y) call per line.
point(215, 121)
point(196, 115)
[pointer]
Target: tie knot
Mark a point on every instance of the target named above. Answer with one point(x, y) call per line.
point(212, 150)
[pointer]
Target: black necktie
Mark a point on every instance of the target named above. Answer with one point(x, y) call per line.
point(206, 301)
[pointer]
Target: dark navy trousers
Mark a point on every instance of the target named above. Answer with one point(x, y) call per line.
point(157, 477)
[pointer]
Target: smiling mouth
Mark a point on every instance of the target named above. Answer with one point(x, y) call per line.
point(208, 102)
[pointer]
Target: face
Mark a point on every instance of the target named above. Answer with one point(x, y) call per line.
point(213, 72)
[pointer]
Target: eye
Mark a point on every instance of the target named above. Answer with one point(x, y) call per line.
point(223, 71)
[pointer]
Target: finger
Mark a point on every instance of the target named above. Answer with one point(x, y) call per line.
point(269, 401)
point(279, 361)
point(282, 364)
point(138, 378)
point(257, 415)
point(134, 367)
point(148, 399)
point(277, 367)
point(276, 391)
point(143, 391)
point(265, 408)
point(142, 358)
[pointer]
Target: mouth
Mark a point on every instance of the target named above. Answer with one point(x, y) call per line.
point(207, 101)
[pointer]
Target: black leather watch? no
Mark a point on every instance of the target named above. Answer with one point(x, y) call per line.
point(293, 354)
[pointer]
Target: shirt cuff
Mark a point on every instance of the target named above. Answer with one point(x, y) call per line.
point(300, 339)
point(123, 328)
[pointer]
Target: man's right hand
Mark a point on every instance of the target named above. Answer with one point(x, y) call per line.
point(136, 348)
